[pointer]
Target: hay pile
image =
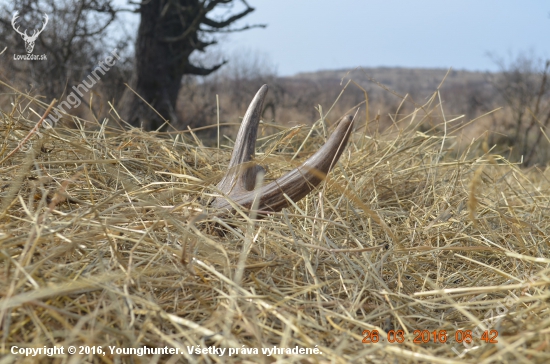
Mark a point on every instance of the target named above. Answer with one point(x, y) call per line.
point(105, 246)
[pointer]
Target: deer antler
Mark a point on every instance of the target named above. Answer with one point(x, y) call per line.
point(44, 24)
point(29, 39)
point(238, 183)
point(35, 32)
point(13, 19)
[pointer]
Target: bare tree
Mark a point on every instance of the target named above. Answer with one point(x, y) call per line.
point(524, 86)
point(75, 38)
point(169, 32)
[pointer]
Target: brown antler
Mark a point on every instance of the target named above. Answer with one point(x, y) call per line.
point(240, 179)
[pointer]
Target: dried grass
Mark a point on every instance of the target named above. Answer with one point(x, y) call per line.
point(104, 241)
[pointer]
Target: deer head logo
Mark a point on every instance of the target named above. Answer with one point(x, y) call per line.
point(29, 39)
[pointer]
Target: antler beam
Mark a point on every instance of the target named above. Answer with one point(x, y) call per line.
point(239, 181)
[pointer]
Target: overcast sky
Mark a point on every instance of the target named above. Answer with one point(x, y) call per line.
point(311, 35)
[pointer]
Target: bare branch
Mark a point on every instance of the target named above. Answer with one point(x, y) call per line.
point(246, 27)
point(202, 71)
point(200, 45)
point(217, 26)
point(228, 22)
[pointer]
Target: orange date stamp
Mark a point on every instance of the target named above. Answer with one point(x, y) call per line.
point(427, 336)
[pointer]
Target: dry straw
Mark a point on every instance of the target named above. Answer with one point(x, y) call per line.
point(104, 241)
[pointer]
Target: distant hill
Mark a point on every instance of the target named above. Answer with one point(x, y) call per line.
point(295, 100)
point(470, 98)
point(463, 92)
point(403, 80)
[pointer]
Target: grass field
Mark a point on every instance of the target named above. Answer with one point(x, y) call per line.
point(106, 245)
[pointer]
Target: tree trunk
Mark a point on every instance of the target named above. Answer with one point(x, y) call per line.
point(160, 62)
point(156, 76)
point(168, 33)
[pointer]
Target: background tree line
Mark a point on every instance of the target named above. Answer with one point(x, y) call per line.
point(167, 69)
point(82, 31)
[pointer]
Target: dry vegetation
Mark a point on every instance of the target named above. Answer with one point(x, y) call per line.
point(294, 99)
point(105, 241)
point(515, 102)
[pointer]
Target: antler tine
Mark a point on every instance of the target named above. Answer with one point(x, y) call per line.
point(45, 22)
point(37, 32)
point(241, 174)
point(238, 183)
point(13, 19)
